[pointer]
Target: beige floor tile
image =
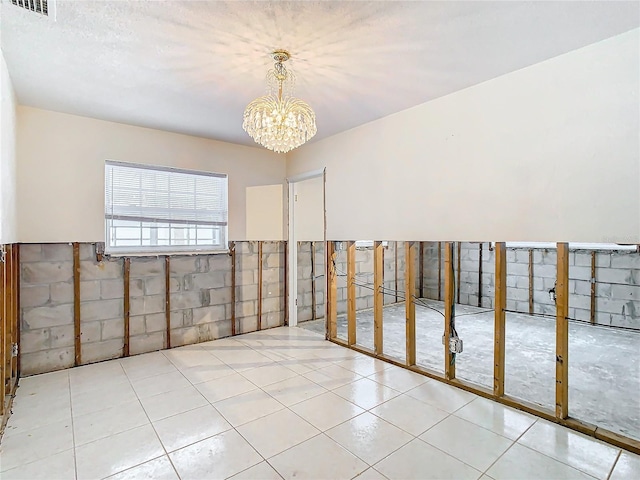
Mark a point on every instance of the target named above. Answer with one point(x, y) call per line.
point(326, 410)
point(294, 390)
point(165, 382)
point(409, 414)
point(94, 426)
point(441, 395)
point(61, 466)
point(268, 374)
point(225, 387)
point(628, 466)
point(172, 403)
point(261, 471)
point(247, 407)
point(157, 469)
point(502, 420)
point(399, 379)
point(333, 376)
point(366, 393)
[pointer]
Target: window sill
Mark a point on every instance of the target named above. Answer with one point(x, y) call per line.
point(185, 253)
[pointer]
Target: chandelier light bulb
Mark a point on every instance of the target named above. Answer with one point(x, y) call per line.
point(279, 121)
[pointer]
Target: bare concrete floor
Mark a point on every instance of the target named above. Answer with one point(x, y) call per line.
point(604, 363)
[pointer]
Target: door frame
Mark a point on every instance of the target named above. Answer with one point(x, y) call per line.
point(293, 243)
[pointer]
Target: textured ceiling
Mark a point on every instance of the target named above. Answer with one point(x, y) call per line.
point(192, 66)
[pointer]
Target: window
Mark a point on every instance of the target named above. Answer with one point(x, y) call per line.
point(162, 209)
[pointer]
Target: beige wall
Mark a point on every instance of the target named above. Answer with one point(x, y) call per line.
point(8, 225)
point(547, 153)
point(61, 171)
point(309, 210)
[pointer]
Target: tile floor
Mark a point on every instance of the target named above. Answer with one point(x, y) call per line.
point(281, 403)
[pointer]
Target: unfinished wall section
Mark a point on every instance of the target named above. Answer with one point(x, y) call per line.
point(200, 301)
point(617, 280)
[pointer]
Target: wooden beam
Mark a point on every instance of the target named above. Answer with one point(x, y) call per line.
point(286, 285)
point(167, 298)
point(378, 296)
point(439, 271)
point(562, 331)
point(313, 280)
point(332, 292)
point(457, 278)
point(530, 281)
point(351, 293)
point(77, 331)
point(16, 317)
point(410, 305)
point(8, 287)
point(259, 285)
point(480, 247)
point(421, 268)
point(395, 266)
point(127, 307)
point(500, 305)
point(592, 313)
point(232, 254)
point(449, 299)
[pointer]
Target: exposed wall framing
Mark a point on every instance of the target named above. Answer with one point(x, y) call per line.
point(351, 293)
point(449, 285)
point(9, 327)
point(378, 296)
point(562, 332)
point(410, 305)
point(500, 306)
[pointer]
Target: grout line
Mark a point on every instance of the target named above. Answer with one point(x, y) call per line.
point(615, 462)
point(510, 446)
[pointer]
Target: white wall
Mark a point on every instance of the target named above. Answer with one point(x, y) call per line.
point(547, 153)
point(61, 171)
point(309, 210)
point(8, 226)
point(265, 213)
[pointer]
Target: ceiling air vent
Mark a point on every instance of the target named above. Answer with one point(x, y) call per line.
point(37, 6)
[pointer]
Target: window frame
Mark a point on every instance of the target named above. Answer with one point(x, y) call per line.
point(217, 229)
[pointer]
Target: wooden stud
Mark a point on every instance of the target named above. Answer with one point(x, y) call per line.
point(77, 332)
point(562, 331)
point(16, 315)
point(592, 313)
point(6, 359)
point(351, 293)
point(378, 296)
point(167, 298)
point(313, 280)
point(500, 305)
point(439, 271)
point(286, 285)
point(127, 307)
point(232, 254)
point(449, 289)
point(480, 248)
point(395, 265)
point(3, 326)
point(530, 282)
point(421, 269)
point(259, 285)
point(457, 278)
point(332, 292)
point(410, 305)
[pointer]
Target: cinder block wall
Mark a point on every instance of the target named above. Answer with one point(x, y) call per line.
point(617, 277)
point(200, 299)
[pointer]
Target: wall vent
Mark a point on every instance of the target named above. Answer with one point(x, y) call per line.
point(37, 6)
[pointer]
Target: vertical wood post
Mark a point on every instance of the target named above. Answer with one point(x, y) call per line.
point(167, 298)
point(410, 306)
point(3, 326)
point(480, 274)
point(259, 285)
point(592, 313)
point(77, 334)
point(286, 286)
point(457, 278)
point(127, 307)
point(313, 280)
point(500, 305)
point(420, 268)
point(351, 293)
point(530, 281)
point(16, 272)
point(562, 331)
point(332, 291)
point(395, 265)
point(232, 254)
point(8, 305)
point(449, 299)
point(378, 297)
point(439, 271)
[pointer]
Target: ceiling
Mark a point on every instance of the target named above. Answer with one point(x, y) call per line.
point(192, 66)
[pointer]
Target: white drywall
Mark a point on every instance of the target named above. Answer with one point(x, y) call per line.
point(265, 213)
point(8, 226)
point(61, 171)
point(547, 153)
point(309, 210)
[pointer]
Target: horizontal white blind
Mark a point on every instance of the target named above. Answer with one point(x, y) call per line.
point(148, 207)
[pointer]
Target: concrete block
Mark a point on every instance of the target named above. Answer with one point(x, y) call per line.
point(34, 340)
point(247, 324)
point(272, 319)
point(184, 336)
point(146, 267)
point(511, 255)
point(61, 293)
point(220, 262)
point(89, 290)
point(580, 273)
point(113, 328)
point(304, 313)
point(518, 294)
point(181, 318)
point(147, 304)
point(219, 296)
point(522, 307)
point(34, 295)
point(614, 275)
point(90, 332)
point(113, 288)
point(522, 282)
point(146, 343)
point(46, 272)
point(154, 285)
point(136, 287)
point(156, 322)
point(209, 314)
point(246, 277)
point(208, 280)
point(87, 251)
point(580, 301)
point(46, 361)
point(194, 264)
point(101, 310)
point(246, 309)
point(628, 260)
point(98, 351)
point(511, 304)
point(30, 252)
point(61, 252)
point(244, 248)
point(583, 287)
point(49, 316)
point(61, 337)
point(182, 300)
point(274, 304)
point(545, 271)
point(100, 271)
point(512, 281)
point(137, 325)
point(625, 292)
point(174, 284)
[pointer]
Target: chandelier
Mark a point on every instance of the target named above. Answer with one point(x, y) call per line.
point(279, 121)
